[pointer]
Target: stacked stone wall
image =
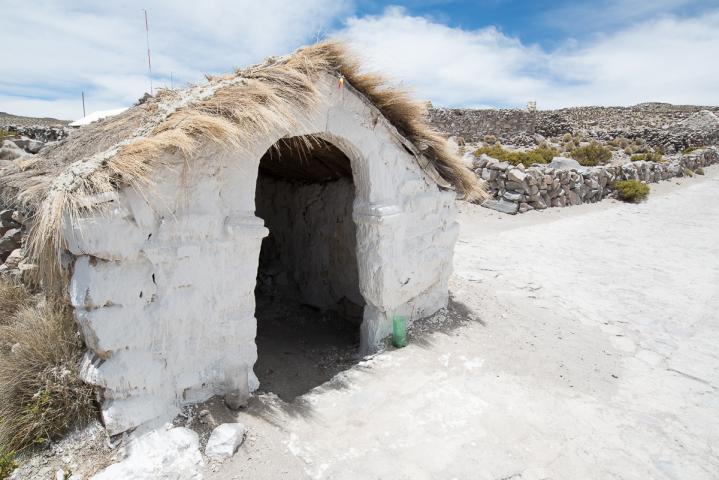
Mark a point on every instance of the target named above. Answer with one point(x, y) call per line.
point(516, 189)
point(660, 125)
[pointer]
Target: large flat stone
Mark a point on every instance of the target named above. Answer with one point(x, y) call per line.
point(502, 206)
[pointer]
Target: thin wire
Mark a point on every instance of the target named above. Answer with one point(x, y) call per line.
point(147, 38)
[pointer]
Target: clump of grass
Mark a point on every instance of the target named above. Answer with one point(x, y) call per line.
point(699, 171)
point(7, 463)
point(591, 155)
point(13, 296)
point(652, 156)
point(620, 142)
point(686, 172)
point(631, 190)
point(689, 150)
point(3, 135)
point(541, 154)
point(41, 393)
point(490, 139)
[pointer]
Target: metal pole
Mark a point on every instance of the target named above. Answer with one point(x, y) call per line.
point(147, 38)
point(83, 105)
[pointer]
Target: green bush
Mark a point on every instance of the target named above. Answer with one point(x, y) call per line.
point(7, 463)
point(631, 190)
point(542, 154)
point(699, 171)
point(687, 172)
point(592, 155)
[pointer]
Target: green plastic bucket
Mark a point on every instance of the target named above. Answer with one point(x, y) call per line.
point(399, 331)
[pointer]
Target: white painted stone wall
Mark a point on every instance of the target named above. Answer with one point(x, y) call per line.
point(163, 285)
point(310, 253)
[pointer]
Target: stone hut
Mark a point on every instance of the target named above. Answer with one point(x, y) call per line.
point(303, 172)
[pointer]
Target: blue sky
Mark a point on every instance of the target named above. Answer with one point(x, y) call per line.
point(547, 23)
point(496, 53)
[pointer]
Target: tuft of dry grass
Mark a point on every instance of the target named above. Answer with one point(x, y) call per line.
point(41, 394)
point(13, 296)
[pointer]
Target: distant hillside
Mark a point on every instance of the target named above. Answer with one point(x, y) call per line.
point(643, 120)
point(9, 119)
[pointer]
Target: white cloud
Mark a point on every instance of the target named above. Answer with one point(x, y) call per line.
point(668, 59)
point(65, 47)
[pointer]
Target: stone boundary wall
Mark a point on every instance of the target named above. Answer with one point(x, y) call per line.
point(473, 125)
point(665, 126)
point(516, 189)
point(41, 133)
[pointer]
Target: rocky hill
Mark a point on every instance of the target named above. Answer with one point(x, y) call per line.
point(8, 119)
point(661, 125)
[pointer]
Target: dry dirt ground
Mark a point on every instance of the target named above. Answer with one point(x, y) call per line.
point(581, 343)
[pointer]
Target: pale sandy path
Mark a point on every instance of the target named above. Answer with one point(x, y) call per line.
point(596, 358)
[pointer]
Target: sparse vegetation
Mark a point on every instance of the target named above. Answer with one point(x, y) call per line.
point(541, 154)
point(591, 155)
point(631, 190)
point(620, 142)
point(3, 135)
point(12, 297)
point(687, 172)
point(41, 394)
point(652, 156)
point(699, 171)
point(490, 139)
point(7, 463)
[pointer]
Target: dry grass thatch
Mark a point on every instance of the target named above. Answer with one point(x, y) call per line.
point(41, 394)
point(230, 111)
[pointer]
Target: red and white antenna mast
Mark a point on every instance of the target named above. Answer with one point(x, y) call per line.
point(147, 38)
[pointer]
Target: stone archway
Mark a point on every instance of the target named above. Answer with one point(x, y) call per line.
point(308, 302)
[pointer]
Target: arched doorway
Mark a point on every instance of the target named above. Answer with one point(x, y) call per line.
point(308, 301)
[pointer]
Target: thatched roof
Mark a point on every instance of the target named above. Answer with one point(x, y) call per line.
point(230, 111)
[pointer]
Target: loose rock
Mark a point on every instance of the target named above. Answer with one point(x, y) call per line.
point(225, 440)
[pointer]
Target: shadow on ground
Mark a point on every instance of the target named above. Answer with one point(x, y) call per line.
point(301, 348)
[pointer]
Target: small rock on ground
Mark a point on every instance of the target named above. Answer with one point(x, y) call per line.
point(225, 440)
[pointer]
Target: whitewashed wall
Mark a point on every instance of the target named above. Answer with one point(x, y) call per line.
point(163, 284)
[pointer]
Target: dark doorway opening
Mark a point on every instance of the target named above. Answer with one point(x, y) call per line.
point(309, 306)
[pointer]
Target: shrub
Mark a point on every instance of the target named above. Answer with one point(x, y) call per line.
point(631, 190)
point(591, 155)
point(655, 156)
point(12, 296)
point(542, 154)
point(687, 172)
point(619, 142)
point(689, 150)
point(7, 463)
point(41, 394)
point(3, 135)
point(699, 171)
point(490, 139)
